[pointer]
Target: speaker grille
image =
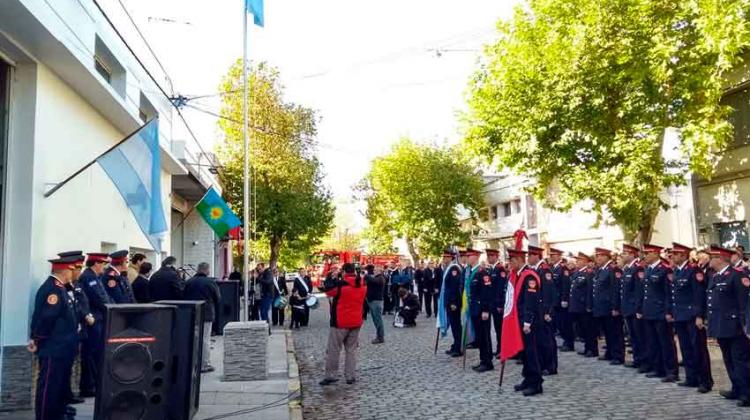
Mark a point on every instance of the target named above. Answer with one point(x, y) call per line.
point(127, 405)
point(130, 363)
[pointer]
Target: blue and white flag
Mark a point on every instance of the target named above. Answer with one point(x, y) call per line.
point(135, 169)
point(442, 315)
point(255, 7)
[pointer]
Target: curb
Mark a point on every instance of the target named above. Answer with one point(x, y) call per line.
point(295, 404)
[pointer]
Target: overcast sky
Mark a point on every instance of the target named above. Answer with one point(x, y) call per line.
point(370, 68)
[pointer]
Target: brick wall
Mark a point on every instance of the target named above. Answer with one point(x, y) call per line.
point(15, 390)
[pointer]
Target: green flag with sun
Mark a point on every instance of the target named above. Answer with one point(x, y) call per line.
point(217, 213)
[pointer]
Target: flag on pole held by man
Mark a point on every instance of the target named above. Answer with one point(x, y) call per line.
point(442, 315)
point(255, 7)
point(468, 327)
point(135, 168)
point(512, 340)
point(215, 211)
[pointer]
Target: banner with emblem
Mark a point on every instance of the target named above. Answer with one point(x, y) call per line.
point(512, 340)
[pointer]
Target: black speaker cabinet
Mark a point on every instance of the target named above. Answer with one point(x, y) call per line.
point(187, 356)
point(137, 364)
point(229, 308)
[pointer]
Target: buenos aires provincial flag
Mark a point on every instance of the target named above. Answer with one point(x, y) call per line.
point(256, 8)
point(135, 168)
point(217, 213)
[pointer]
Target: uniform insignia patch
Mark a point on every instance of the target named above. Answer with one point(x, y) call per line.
point(52, 299)
point(502, 274)
point(641, 275)
point(618, 274)
point(532, 284)
point(699, 277)
point(746, 282)
point(567, 273)
point(669, 276)
point(112, 283)
point(548, 276)
point(92, 283)
point(487, 280)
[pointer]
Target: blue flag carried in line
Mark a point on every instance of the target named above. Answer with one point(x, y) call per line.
point(255, 7)
point(135, 169)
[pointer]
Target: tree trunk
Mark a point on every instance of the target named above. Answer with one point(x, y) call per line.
point(275, 251)
point(412, 250)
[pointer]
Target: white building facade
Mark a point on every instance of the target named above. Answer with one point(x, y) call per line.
point(69, 90)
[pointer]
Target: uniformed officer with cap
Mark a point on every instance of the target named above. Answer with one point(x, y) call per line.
point(656, 310)
point(547, 342)
point(688, 297)
point(580, 305)
point(481, 302)
point(561, 278)
point(727, 301)
point(631, 292)
point(499, 284)
point(453, 287)
point(92, 348)
point(115, 278)
point(54, 338)
point(606, 305)
point(530, 312)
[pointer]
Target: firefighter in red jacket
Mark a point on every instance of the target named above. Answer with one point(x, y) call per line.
point(347, 298)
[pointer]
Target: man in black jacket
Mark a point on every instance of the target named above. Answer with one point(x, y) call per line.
point(303, 287)
point(166, 283)
point(202, 287)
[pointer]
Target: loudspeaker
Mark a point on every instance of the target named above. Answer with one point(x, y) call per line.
point(187, 357)
point(229, 307)
point(136, 371)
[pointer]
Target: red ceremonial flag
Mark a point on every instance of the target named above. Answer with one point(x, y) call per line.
point(512, 340)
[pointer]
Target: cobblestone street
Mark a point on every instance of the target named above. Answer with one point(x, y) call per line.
point(402, 379)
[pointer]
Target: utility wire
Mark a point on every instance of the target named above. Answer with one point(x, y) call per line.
point(145, 41)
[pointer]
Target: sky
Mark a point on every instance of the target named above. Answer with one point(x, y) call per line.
point(374, 71)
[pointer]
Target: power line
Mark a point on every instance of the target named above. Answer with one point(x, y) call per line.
point(145, 41)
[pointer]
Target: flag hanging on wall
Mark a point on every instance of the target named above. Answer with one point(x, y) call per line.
point(135, 168)
point(217, 213)
point(255, 7)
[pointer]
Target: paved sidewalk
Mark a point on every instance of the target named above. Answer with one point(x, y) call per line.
point(252, 400)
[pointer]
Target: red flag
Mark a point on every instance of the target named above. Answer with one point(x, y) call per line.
point(512, 340)
point(519, 236)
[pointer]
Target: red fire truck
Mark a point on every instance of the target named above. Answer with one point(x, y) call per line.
point(322, 261)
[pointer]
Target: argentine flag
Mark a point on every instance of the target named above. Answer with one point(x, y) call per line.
point(135, 168)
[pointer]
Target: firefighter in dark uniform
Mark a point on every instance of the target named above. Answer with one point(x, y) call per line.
point(83, 314)
point(54, 338)
point(606, 305)
point(93, 345)
point(530, 313)
point(453, 288)
point(580, 305)
point(561, 278)
point(115, 278)
point(547, 342)
point(688, 295)
point(631, 291)
point(655, 309)
point(480, 305)
point(727, 301)
point(500, 285)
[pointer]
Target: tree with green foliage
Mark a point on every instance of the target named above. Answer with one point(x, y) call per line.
point(578, 95)
point(291, 205)
point(415, 193)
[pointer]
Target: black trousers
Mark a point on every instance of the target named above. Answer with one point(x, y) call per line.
point(588, 330)
point(92, 349)
point(612, 327)
point(662, 352)
point(564, 324)
point(484, 339)
point(638, 340)
point(50, 387)
point(532, 369)
point(736, 354)
point(698, 336)
point(454, 318)
point(428, 303)
point(305, 316)
point(547, 346)
point(497, 322)
point(277, 316)
point(687, 349)
point(435, 302)
point(421, 294)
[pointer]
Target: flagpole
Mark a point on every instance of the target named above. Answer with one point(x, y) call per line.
point(246, 177)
